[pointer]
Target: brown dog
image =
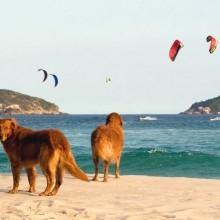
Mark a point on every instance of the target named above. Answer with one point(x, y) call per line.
point(49, 148)
point(107, 144)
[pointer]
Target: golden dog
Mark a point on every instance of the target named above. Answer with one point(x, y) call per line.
point(49, 148)
point(107, 144)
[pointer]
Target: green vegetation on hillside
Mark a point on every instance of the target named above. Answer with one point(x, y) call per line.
point(27, 104)
point(213, 105)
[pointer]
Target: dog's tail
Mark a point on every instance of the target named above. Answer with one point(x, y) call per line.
point(71, 166)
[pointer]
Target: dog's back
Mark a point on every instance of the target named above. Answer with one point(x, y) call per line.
point(107, 142)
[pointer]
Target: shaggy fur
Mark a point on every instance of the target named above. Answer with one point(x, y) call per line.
point(107, 144)
point(26, 148)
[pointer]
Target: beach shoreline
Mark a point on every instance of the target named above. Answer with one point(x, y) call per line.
point(128, 198)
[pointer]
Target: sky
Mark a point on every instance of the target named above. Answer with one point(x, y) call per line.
point(85, 41)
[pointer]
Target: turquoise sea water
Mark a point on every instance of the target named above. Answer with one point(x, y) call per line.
point(172, 145)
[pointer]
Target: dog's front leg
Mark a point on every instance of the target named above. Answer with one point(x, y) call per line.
point(16, 177)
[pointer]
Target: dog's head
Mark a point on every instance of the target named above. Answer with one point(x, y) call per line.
point(114, 119)
point(7, 128)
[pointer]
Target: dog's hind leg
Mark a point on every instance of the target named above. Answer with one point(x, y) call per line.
point(59, 179)
point(117, 163)
point(50, 177)
point(31, 173)
point(106, 167)
point(96, 163)
point(48, 165)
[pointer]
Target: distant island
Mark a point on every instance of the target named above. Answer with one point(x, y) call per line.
point(210, 106)
point(12, 102)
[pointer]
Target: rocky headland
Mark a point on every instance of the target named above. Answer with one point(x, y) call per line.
point(12, 102)
point(210, 106)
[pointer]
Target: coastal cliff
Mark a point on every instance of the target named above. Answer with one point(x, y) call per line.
point(210, 106)
point(12, 102)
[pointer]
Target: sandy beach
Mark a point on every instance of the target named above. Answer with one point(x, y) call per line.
point(128, 198)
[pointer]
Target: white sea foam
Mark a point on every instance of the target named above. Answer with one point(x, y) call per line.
point(157, 150)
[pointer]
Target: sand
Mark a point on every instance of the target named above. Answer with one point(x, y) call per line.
point(127, 198)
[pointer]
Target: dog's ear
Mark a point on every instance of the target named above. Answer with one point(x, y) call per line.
point(107, 120)
point(121, 122)
point(13, 123)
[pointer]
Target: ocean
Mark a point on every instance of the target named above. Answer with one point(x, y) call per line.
point(171, 145)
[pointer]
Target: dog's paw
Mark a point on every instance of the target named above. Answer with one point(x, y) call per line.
point(95, 179)
point(43, 194)
point(32, 190)
point(52, 193)
point(12, 191)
